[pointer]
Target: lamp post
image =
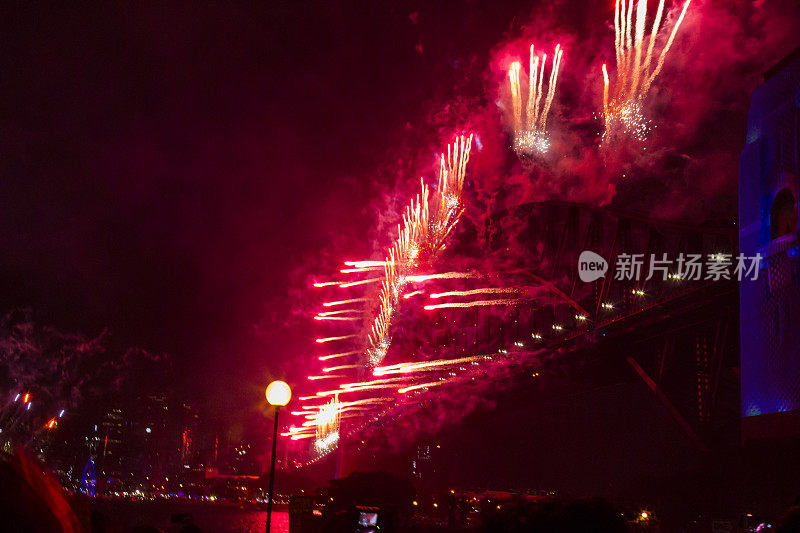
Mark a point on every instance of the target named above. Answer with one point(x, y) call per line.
point(278, 393)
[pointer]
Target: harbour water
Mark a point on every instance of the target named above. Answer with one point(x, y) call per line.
point(121, 516)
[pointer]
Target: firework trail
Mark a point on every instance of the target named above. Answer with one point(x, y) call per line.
point(339, 318)
point(331, 339)
point(405, 368)
point(360, 282)
point(423, 386)
point(622, 101)
point(530, 133)
point(474, 303)
point(412, 294)
point(340, 367)
point(337, 355)
point(344, 302)
point(321, 284)
point(427, 222)
point(339, 312)
point(443, 275)
point(471, 292)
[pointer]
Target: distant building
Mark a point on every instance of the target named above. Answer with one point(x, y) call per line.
point(422, 464)
point(768, 216)
point(151, 439)
point(148, 444)
point(106, 445)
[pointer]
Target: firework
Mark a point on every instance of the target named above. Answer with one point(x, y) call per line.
point(412, 294)
point(356, 270)
point(426, 224)
point(356, 389)
point(474, 303)
point(530, 132)
point(388, 383)
point(325, 443)
point(359, 384)
point(471, 292)
point(443, 275)
point(331, 339)
point(339, 312)
point(364, 264)
point(427, 221)
point(321, 284)
point(340, 367)
point(344, 302)
point(359, 282)
point(339, 318)
point(337, 355)
point(327, 422)
point(405, 368)
point(422, 386)
point(622, 101)
point(343, 405)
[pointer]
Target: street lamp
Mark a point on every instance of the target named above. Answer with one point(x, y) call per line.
point(278, 393)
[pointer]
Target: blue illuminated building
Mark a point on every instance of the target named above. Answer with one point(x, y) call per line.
point(768, 217)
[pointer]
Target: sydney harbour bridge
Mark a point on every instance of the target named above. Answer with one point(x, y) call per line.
point(676, 335)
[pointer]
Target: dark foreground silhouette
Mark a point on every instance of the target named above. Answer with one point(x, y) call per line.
point(555, 516)
point(32, 501)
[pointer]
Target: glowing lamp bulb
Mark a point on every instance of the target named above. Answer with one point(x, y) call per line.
point(278, 393)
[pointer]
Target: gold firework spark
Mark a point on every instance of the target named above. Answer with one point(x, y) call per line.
point(622, 101)
point(427, 222)
point(530, 134)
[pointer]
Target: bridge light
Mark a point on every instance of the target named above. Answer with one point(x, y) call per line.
point(557, 327)
point(580, 317)
point(607, 305)
point(535, 336)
